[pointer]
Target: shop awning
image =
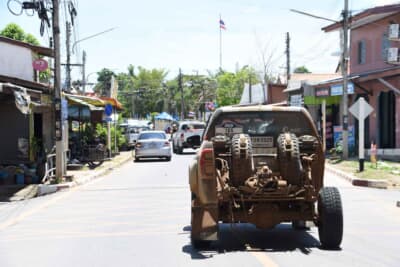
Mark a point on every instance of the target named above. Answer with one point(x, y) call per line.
point(112, 101)
point(93, 103)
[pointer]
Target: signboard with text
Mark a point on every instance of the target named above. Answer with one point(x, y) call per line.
point(337, 89)
point(322, 92)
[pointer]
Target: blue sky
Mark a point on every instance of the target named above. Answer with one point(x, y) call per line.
point(175, 33)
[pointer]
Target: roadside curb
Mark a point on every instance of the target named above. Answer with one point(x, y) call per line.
point(373, 183)
point(49, 189)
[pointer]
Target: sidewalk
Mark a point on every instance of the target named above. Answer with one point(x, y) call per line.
point(382, 184)
point(79, 177)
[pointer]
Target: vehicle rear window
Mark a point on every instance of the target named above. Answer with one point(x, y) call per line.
point(260, 124)
point(193, 126)
point(144, 136)
point(198, 126)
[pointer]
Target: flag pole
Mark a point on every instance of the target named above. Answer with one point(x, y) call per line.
point(220, 44)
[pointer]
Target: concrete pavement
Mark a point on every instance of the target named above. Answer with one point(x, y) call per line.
point(79, 177)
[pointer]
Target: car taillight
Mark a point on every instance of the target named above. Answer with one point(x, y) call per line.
point(207, 163)
point(138, 145)
point(182, 135)
point(166, 143)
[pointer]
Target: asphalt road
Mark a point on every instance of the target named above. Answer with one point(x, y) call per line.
point(139, 215)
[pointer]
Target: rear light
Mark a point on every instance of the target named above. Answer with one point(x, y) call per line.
point(207, 163)
point(138, 145)
point(166, 143)
point(182, 135)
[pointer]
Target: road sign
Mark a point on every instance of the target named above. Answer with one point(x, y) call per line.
point(40, 64)
point(361, 109)
point(108, 109)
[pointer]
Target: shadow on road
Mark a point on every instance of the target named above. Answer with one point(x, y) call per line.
point(246, 237)
point(150, 160)
point(187, 153)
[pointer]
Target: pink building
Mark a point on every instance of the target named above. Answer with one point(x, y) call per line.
point(374, 73)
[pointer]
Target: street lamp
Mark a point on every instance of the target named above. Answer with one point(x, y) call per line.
point(91, 36)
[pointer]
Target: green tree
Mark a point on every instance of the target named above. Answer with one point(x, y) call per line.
point(301, 69)
point(103, 81)
point(230, 85)
point(15, 32)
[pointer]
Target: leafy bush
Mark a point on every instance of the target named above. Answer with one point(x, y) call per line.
point(101, 132)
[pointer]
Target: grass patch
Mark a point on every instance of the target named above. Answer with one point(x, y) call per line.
point(382, 170)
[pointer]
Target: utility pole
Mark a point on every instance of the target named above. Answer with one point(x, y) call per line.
point(344, 75)
point(250, 89)
point(57, 93)
point(287, 56)
point(83, 71)
point(68, 65)
point(181, 90)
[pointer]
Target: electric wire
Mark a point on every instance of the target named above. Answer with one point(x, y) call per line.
point(13, 11)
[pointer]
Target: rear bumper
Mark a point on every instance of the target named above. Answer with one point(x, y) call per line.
point(153, 153)
point(192, 142)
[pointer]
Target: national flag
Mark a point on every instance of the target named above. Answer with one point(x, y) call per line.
point(222, 24)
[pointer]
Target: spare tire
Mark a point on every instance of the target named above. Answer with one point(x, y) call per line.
point(289, 158)
point(242, 166)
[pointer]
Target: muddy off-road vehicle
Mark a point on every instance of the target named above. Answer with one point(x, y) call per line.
point(264, 165)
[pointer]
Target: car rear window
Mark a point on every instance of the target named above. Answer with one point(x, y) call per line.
point(144, 136)
point(193, 126)
point(260, 124)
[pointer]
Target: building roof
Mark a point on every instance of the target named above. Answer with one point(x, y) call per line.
point(298, 79)
point(27, 84)
point(362, 77)
point(41, 50)
point(365, 17)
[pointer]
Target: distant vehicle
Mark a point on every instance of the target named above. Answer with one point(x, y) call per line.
point(152, 144)
point(132, 133)
point(187, 135)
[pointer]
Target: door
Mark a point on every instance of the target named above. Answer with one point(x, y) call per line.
point(387, 123)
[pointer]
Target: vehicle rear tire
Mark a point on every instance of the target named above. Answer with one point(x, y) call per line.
point(174, 148)
point(168, 158)
point(136, 159)
point(330, 213)
point(179, 150)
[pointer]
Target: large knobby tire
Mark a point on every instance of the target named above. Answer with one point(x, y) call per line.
point(330, 213)
point(289, 160)
point(242, 166)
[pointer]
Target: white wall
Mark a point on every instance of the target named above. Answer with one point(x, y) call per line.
point(16, 61)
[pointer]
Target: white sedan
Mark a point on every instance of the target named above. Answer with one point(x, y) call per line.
point(152, 144)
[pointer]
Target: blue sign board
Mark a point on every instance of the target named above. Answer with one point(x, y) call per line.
point(108, 109)
point(337, 89)
point(64, 109)
point(351, 141)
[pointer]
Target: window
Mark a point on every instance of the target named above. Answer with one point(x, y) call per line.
point(385, 46)
point(362, 52)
